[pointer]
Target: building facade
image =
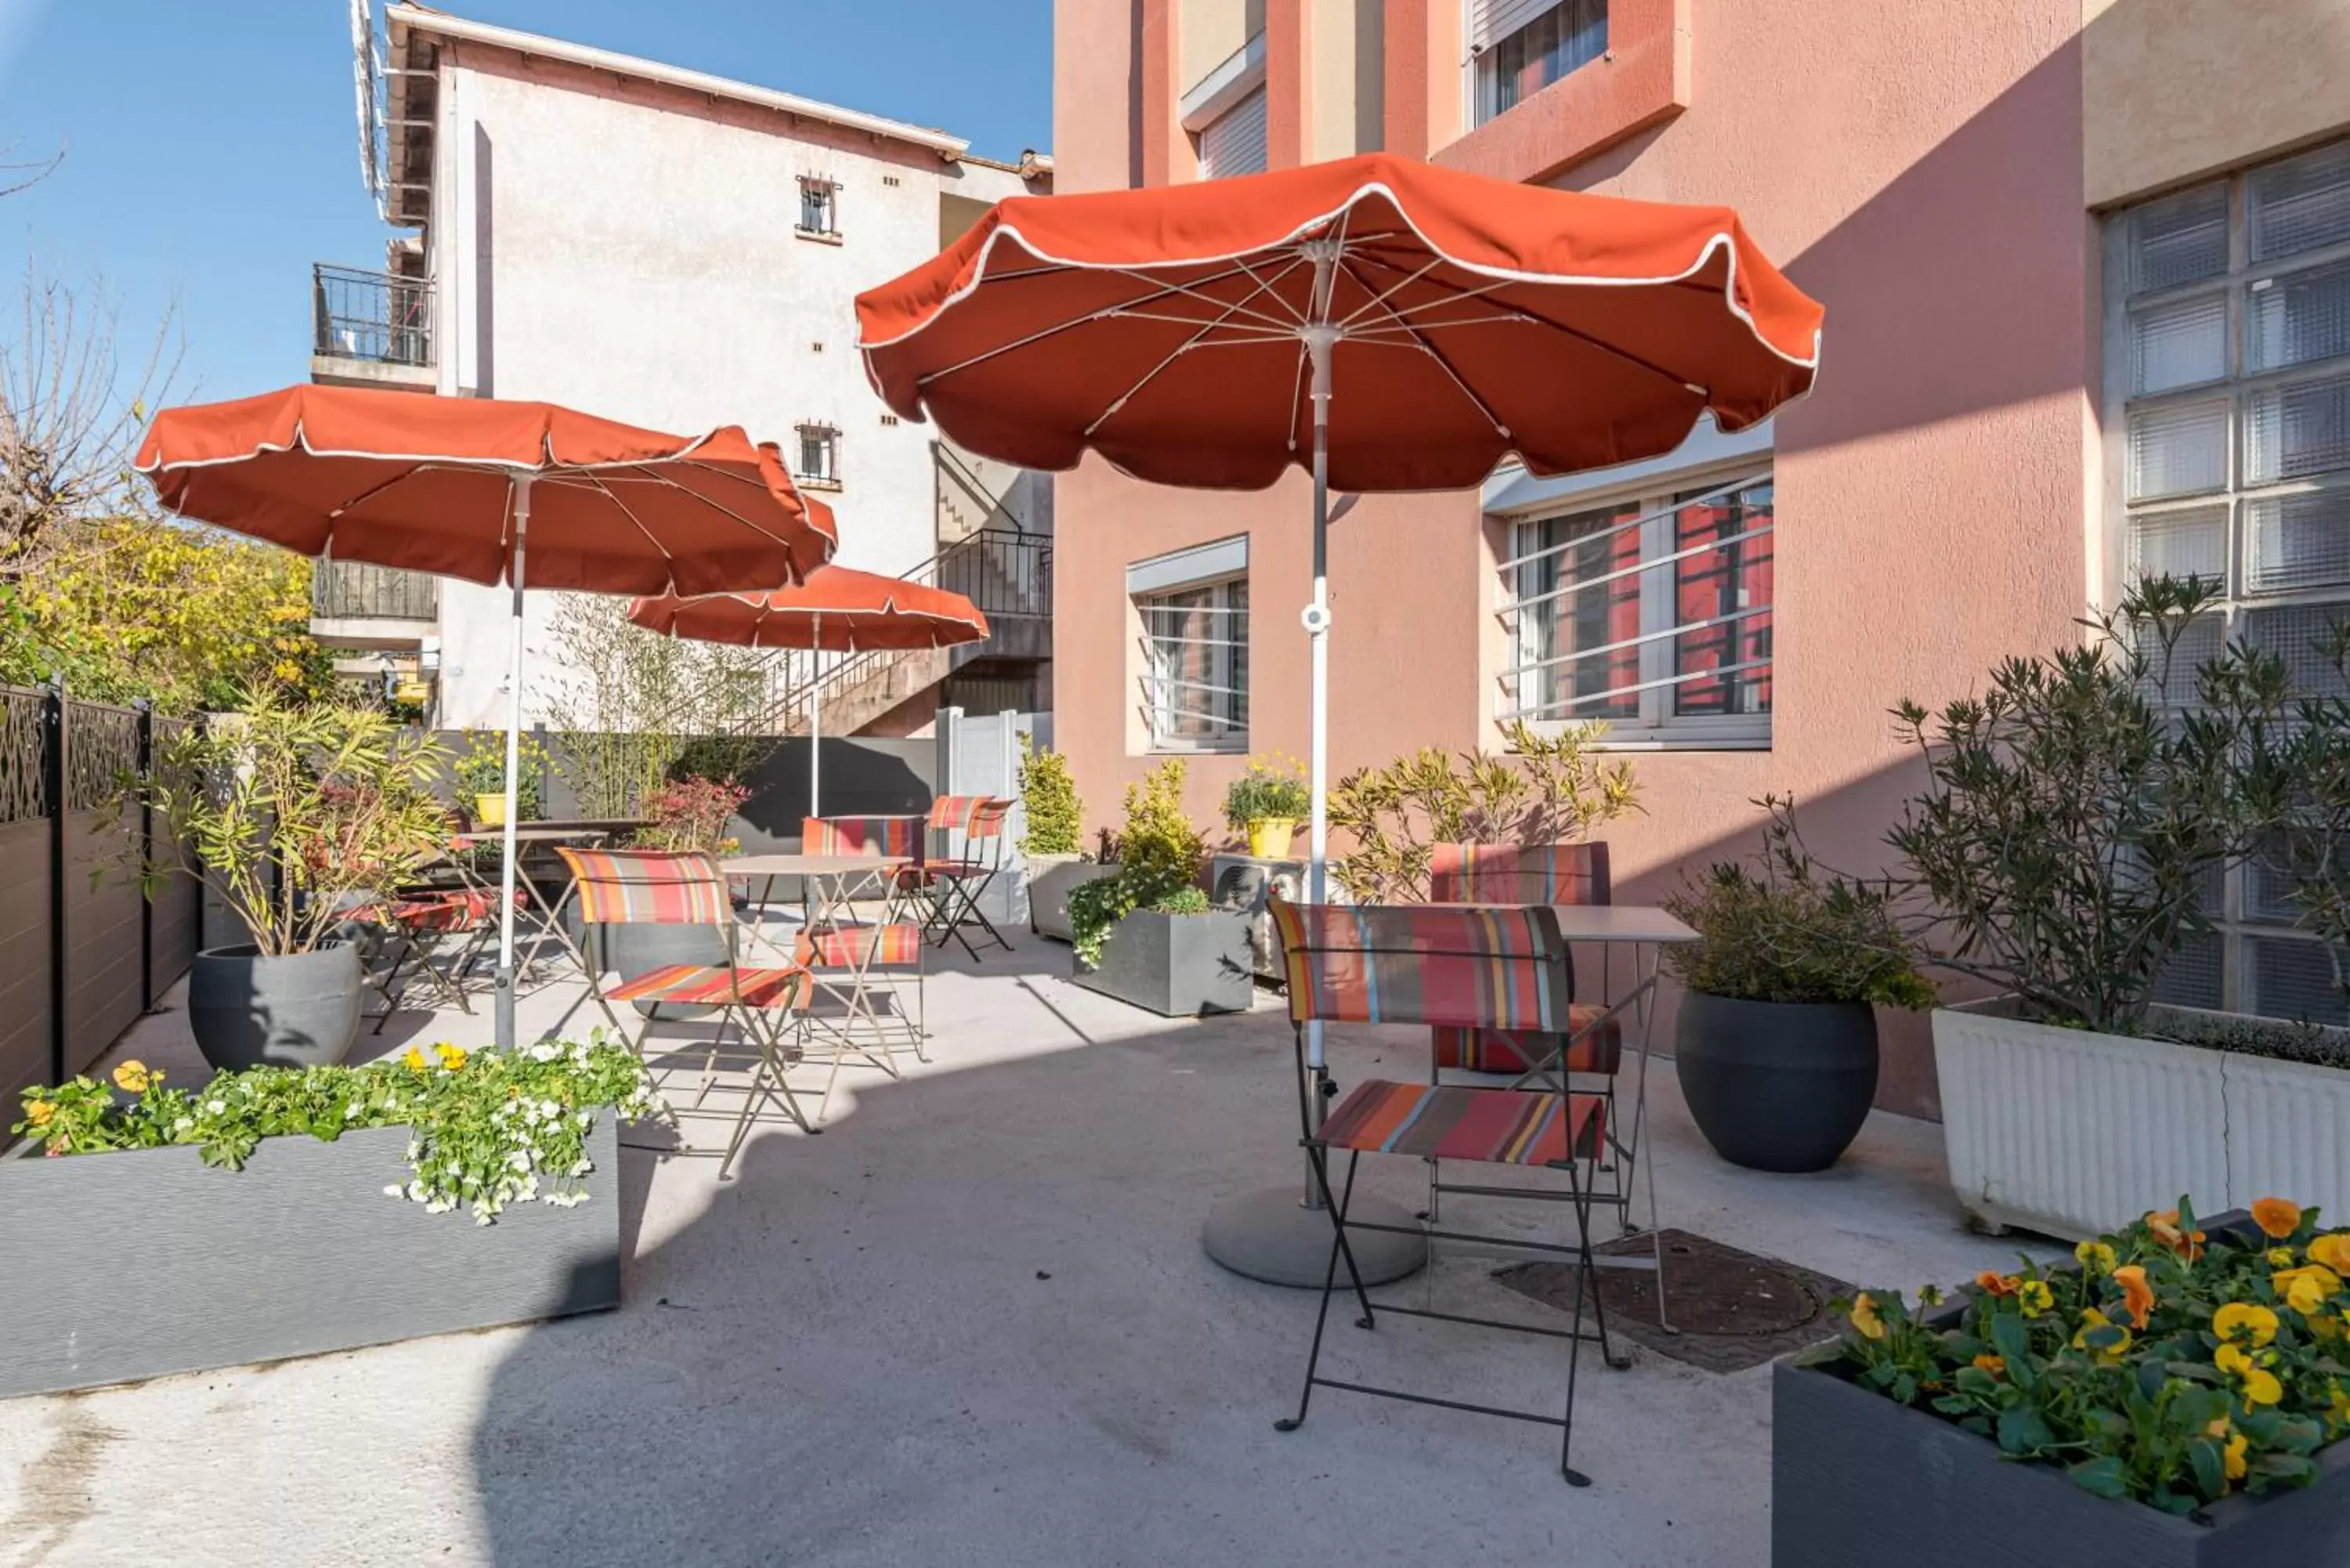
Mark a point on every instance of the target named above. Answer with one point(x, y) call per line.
point(2086, 268)
point(666, 248)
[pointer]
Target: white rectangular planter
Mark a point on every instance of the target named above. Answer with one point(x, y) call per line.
point(2071, 1133)
point(149, 1262)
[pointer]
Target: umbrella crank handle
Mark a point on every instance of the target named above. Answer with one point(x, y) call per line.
point(1315, 618)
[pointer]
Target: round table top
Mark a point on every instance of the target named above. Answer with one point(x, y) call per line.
point(531, 833)
point(810, 865)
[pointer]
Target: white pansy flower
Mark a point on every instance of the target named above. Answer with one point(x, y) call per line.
point(217, 1106)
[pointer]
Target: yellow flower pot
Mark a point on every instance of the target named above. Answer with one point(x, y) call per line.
point(490, 810)
point(1269, 838)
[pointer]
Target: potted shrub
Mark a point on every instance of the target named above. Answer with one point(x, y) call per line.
point(1550, 789)
point(1775, 1042)
point(285, 1212)
point(1147, 935)
point(2173, 1400)
point(1051, 843)
point(481, 779)
point(1267, 802)
point(292, 815)
point(692, 812)
point(2077, 819)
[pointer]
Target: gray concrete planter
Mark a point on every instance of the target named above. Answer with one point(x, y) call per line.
point(153, 1262)
point(298, 1010)
point(1776, 1085)
point(1858, 1482)
point(1178, 966)
point(1051, 879)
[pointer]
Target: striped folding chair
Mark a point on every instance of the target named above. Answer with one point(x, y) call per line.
point(864, 975)
point(1592, 1045)
point(1458, 968)
point(632, 887)
point(435, 935)
point(969, 834)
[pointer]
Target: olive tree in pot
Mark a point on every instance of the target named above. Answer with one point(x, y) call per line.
point(294, 816)
point(1776, 1041)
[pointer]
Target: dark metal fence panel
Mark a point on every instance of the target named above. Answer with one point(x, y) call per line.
point(106, 988)
point(175, 916)
point(27, 1030)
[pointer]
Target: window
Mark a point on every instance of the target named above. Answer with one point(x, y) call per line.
point(1517, 47)
point(819, 461)
point(1193, 611)
point(819, 206)
point(1652, 614)
point(1234, 141)
point(2228, 376)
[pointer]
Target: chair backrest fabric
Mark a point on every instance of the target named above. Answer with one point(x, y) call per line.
point(1518, 874)
point(862, 835)
point(1411, 964)
point(649, 886)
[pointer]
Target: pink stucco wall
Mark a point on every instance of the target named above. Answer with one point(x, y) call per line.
point(1924, 180)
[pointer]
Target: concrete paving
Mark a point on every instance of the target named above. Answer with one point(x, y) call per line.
point(971, 1323)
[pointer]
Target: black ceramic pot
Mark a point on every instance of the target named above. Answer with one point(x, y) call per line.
point(1776, 1085)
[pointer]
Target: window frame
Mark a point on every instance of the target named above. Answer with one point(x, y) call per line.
point(1475, 55)
point(810, 186)
point(1229, 663)
point(831, 445)
point(2241, 930)
point(1657, 500)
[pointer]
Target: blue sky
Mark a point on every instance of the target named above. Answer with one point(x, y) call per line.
point(211, 150)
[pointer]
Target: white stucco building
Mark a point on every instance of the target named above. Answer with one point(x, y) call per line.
point(656, 246)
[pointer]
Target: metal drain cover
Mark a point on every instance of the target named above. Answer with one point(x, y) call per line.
point(1729, 1309)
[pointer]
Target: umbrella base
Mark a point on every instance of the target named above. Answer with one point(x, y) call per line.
point(1271, 1236)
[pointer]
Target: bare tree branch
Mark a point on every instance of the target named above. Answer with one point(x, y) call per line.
point(20, 174)
point(70, 414)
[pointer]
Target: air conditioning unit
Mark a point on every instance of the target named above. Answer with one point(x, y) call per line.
point(1243, 882)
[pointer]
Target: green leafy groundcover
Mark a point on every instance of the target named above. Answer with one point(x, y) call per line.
point(492, 1127)
point(2171, 1366)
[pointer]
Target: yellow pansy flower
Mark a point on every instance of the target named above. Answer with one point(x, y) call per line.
point(132, 1077)
point(2260, 1386)
point(2095, 1257)
point(2244, 1323)
point(2232, 1456)
point(413, 1059)
point(451, 1056)
point(39, 1112)
point(2091, 1318)
point(2034, 1297)
point(2333, 1251)
point(2280, 1257)
point(2306, 1288)
point(1864, 1318)
point(2337, 1409)
point(2278, 1218)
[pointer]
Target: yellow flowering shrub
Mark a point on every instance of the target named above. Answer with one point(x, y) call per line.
point(2170, 1364)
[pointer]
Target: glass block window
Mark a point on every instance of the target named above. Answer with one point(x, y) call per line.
point(2228, 391)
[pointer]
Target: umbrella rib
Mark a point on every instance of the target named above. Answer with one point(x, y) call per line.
point(1174, 354)
point(1382, 297)
point(1442, 363)
point(1264, 288)
point(1519, 314)
point(1102, 314)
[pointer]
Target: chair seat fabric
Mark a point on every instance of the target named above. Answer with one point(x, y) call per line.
point(854, 947)
point(458, 911)
point(1517, 1050)
point(716, 985)
point(1492, 1127)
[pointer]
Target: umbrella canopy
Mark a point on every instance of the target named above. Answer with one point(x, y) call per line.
point(1171, 328)
point(425, 484)
point(836, 610)
point(452, 485)
point(1386, 324)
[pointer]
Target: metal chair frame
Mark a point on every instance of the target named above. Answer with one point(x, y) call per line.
point(955, 879)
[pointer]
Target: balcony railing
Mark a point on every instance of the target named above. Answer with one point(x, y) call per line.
point(353, 590)
point(372, 315)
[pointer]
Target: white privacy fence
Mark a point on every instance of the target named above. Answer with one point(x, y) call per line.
point(980, 755)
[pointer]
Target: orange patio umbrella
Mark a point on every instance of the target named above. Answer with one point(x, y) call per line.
point(454, 485)
point(836, 610)
point(1385, 323)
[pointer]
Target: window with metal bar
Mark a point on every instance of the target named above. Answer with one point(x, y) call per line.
point(1517, 47)
point(819, 206)
point(1653, 614)
point(1195, 666)
point(819, 456)
point(2228, 380)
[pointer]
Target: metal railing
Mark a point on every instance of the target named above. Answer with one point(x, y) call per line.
point(370, 316)
point(353, 590)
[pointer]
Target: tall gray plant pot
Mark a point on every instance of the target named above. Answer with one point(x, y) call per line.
point(1051, 879)
point(1178, 966)
point(296, 1010)
point(153, 1262)
point(1776, 1085)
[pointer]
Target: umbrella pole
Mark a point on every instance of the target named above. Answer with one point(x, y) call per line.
point(815, 716)
point(506, 976)
point(1317, 620)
